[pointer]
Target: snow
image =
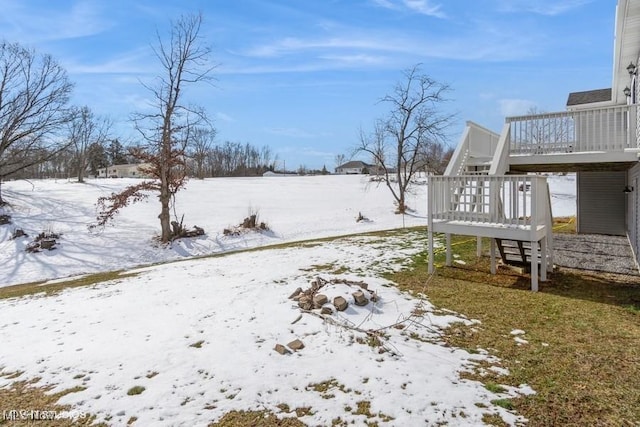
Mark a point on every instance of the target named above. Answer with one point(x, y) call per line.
point(295, 208)
point(199, 335)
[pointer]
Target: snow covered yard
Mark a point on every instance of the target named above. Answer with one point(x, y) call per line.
point(197, 338)
point(295, 208)
point(184, 343)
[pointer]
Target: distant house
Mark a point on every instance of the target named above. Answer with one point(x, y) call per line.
point(354, 167)
point(123, 171)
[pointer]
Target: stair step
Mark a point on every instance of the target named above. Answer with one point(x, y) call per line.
point(517, 253)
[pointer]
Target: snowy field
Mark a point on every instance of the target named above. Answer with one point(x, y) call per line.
point(295, 208)
point(196, 339)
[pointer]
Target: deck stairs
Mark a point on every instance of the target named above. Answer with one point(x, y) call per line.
point(517, 253)
point(477, 197)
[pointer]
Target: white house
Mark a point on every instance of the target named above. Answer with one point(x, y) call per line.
point(354, 167)
point(123, 171)
point(486, 191)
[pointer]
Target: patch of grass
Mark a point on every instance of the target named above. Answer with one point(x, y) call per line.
point(494, 388)
point(303, 411)
point(35, 288)
point(27, 395)
point(135, 390)
point(584, 341)
point(197, 344)
point(256, 419)
point(325, 387)
point(504, 403)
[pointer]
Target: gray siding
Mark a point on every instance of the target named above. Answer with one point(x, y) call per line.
point(633, 210)
point(602, 203)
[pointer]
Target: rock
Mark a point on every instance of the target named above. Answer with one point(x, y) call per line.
point(340, 303)
point(319, 300)
point(47, 243)
point(296, 345)
point(305, 302)
point(295, 293)
point(359, 298)
point(5, 219)
point(363, 285)
point(374, 296)
point(326, 311)
point(19, 232)
point(281, 349)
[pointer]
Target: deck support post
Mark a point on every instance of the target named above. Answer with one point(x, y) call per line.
point(431, 266)
point(493, 256)
point(543, 257)
point(479, 246)
point(448, 238)
point(534, 266)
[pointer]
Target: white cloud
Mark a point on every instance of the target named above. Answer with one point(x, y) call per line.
point(424, 7)
point(223, 117)
point(515, 107)
point(543, 7)
point(23, 24)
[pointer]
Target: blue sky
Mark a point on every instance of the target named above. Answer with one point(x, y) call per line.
point(303, 76)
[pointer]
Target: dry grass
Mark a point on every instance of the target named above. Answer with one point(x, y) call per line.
point(43, 288)
point(27, 396)
point(257, 419)
point(583, 356)
point(583, 331)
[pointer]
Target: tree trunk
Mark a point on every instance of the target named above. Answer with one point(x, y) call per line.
point(165, 215)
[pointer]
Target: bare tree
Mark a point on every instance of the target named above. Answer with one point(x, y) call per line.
point(340, 160)
point(34, 93)
point(85, 131)
point(201, 144)
point(414, 123)
point(167, 129)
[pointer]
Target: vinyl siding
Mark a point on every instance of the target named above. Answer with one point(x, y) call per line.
point(602, 203)
point(633, 210)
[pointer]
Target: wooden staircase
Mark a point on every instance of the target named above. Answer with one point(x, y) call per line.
point(517, 253)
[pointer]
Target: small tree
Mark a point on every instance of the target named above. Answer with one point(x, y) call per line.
point(167, 129)
point(34, 93)
point(401, 139)
point(85, 132)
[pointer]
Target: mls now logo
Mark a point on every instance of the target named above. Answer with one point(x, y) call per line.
point(13, 415)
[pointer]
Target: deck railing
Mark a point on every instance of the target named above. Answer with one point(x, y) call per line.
point(598, 129)
point(510, 200)
point(476, 141)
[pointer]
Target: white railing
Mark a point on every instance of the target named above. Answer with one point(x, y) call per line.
point(598, 129)
point(476, 141)
point(511, 200)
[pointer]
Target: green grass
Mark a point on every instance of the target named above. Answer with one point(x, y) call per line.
point(584, 339)
point(135, 390)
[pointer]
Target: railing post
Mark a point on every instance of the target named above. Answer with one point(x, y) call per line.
point(430, 207)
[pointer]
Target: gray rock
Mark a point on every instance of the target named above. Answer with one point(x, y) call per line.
point(296, 345)
point(359, 298)
point(281, 349)
point(326, 311)
point(295, 293)
point(319, 300)
point(340, 303)
point(305, 302)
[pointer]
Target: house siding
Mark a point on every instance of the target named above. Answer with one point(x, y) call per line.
point(602, 203)
point(633, 209)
